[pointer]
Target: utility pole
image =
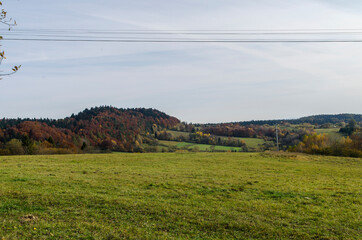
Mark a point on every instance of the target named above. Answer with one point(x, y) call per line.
point(276, 133)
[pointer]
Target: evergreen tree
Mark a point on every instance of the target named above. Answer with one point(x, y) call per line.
point(27, 144)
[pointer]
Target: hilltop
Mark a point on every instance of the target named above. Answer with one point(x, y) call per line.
point(101, 127)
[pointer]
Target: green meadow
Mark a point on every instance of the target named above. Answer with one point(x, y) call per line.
point(180, 196)
point(198, 147)
point(333, 132)
point(253, 143)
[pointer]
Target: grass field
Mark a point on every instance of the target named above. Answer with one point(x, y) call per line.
point(333, 132)
point(178, 133)
point(250, 142)
point(253, 142)
point(201, 147)
point(180, 196)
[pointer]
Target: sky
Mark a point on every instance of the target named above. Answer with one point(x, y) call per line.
point(195, 82)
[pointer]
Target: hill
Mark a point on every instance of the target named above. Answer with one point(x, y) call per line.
point(102, 127)
point(316, 119)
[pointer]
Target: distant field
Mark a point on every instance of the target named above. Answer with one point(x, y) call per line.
point(297, 126)
point(180, 196)
point(253, 142)
point(177, 133)
point(327, 130)
point(334, 132)
point(250, 142)
point(201, 147)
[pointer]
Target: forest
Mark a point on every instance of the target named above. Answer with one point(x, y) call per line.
point(92, 130)
point(109, 129)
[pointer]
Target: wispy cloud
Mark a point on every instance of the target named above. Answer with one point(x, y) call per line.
point(196, 82)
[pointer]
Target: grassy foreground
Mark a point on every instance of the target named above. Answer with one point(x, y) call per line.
point(180, 196)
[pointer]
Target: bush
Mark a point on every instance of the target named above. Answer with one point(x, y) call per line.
point(150, 149)
point(195, 149)
point(4, 152)
point(15, 147)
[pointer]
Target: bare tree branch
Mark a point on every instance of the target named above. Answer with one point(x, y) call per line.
point(10, 23)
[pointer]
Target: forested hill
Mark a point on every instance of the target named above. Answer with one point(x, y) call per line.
point(317, 119)
point(101, 127)
point(107, 129)
point(323, 119)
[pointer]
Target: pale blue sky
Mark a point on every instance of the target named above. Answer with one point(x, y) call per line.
point(192, 81)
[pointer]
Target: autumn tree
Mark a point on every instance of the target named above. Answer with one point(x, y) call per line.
point(350, 128)
point(9, 22)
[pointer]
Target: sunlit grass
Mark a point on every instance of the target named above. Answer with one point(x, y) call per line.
point(180, 196)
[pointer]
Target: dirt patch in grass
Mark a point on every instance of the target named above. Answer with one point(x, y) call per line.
point(28, 218)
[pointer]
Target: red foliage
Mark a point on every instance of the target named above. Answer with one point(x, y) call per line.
point(104, 127)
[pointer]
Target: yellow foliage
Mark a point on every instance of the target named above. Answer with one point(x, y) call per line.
point(201, 134)
point(348, 141)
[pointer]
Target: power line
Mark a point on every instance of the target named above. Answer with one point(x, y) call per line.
point(189, 36)
point(186, 32)
point(192, 30)
point(179, 33)
point(190, 40)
